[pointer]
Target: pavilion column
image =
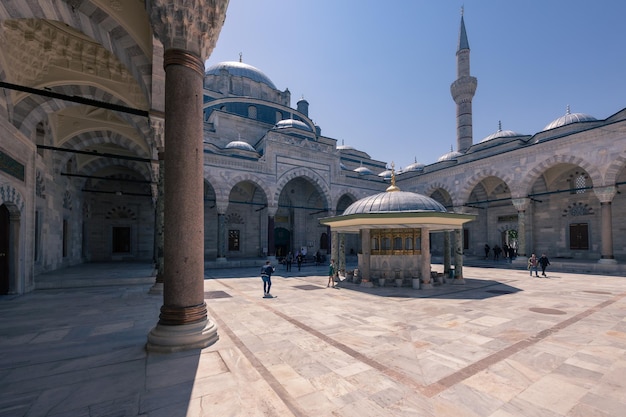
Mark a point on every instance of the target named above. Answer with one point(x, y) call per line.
point(334, 246)
point(342, 253)
point(425, 266)
point(188, 31)
point(157, 288)
point(521, 204)
point(458, 257)
point(606, 195)
point(364, 262)
point(271, 243)
point(446, 253)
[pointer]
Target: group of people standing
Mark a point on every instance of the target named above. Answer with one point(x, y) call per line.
point(508, 252)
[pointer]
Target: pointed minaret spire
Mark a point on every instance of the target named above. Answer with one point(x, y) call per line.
point(463, 90)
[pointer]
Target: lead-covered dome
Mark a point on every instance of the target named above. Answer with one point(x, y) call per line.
point(569, 118)
point(292, 123)
point(239, 69)
point(239, 144)
point(501, 134)
point(394, 202)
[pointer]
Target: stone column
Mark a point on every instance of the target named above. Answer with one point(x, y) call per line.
point(606, 195)
point(271, 245)
point(446, 253)
point(425, 266)
point(157, 288)
point(334, 246)
point(458, 257)
point(521, 204)
point(342, 253)
point(221, 237)
point(365, 258)
point(188, 30)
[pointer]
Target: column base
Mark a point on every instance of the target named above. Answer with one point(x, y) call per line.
point(607, 261)
point(156, 289)
point(169, 339)
point(458, 281)
point(221, 259)
point(427, 286)
point(366, 284)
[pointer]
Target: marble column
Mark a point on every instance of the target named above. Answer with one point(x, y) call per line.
point(188, 31)
point(157, 288)
point(221, 237)
point(271, 244)
point(521, 204)
point(334, 246)
point(342, 253)
point(446, 253)
point(606, 195)
point(365, 258)
point(425, 266)
point(458, 257)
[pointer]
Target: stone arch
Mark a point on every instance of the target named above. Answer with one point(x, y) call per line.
point(219, 187)
point(102, 27)
point(142, 168)
point(614, 169)
point(542, 166)
point(343, 192)
point(120, 213)
point(258, 182)
point(316, 180)
point(10, 196)
point(474, 180)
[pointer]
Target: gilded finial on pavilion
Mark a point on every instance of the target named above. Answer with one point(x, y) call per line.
point(393, 187)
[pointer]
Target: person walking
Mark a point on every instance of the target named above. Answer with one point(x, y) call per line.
point(544, 262)
point(266, 276)
point(299, 259)
point(331, 273)
point(532, 265)
point(289, 261)
point(487, 249)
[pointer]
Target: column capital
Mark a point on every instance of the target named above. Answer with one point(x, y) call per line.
point(221, 206)
point(605, 194)
point(521, 204)
point(190, 25)
point(271, 210)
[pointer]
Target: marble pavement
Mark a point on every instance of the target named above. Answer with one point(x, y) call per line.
point(503, 345)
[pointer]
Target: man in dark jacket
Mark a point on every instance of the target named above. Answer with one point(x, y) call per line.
point(544, 262)
point(266, 276)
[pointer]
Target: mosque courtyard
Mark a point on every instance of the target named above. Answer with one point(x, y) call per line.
point(502, 345)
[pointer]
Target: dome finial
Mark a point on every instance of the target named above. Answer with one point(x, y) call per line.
point(567, 110)
point(393, 187)
point(499, 125)
point(240, 56)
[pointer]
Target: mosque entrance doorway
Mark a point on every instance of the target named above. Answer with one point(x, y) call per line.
point(282, 241)
point(4, 249)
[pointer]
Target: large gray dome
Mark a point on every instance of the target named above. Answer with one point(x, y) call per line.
point(240, 69)
point(292, 123)
point(394, 202)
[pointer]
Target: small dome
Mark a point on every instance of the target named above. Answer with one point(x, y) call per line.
point(345, 148)
point(291, 123)
point(450, 156)
point(364, 171)
point(386, 175)
point(415, 166)
point(239, 144)
point(397, 201)
point(240, 69)
point(501, 134)
point(569, 118)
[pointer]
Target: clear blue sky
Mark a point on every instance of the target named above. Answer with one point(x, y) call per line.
point(377, 74)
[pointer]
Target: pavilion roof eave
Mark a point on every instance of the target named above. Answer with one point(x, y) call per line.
point(435, 221)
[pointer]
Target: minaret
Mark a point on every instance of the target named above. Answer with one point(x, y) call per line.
point(463, 90)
